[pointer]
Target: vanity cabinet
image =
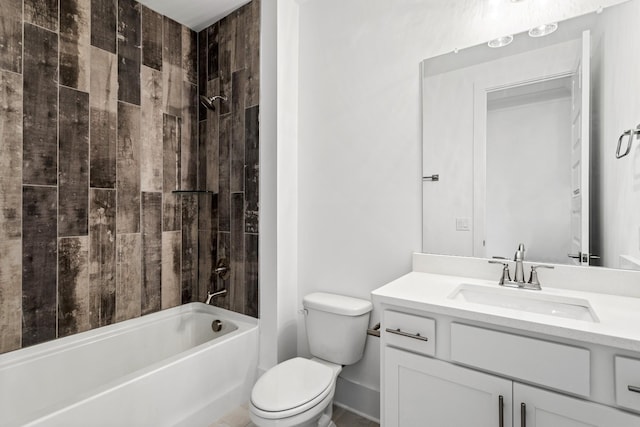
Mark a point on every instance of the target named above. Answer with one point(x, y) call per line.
point(542, 408)
point(421, 391)
point(426, 386)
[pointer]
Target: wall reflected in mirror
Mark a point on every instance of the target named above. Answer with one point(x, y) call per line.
point(524, 141)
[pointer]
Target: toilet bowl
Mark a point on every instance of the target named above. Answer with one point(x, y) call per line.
point(299, 392)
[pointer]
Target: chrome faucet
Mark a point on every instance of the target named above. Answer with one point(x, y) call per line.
point(211, 295)
point(505, 278)
point(519, 258)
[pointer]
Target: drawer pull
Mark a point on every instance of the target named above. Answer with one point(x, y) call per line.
point(501, 411)
point(634, 389)
point(406, 334)
point(523, 415)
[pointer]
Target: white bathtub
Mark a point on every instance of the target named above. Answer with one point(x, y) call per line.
point(165, 369)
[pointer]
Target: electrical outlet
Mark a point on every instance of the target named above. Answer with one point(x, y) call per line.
point(462, 224)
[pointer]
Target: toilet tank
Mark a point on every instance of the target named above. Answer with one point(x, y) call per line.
point(336, 326)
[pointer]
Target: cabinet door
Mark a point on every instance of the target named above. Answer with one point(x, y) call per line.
point(547, 409)
point(424, 392)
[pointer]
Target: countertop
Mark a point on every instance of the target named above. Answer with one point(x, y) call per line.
point(618, 322)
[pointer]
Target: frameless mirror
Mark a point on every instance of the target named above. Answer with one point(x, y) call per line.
point(521, 145)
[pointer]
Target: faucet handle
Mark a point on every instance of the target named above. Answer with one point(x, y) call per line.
point(533, 278)
point(506, 275)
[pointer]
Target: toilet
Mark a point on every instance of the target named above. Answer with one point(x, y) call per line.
point(299, 392)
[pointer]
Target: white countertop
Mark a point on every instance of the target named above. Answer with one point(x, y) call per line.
point(619, 316)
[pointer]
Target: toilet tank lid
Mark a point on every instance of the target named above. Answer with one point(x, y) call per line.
point(337, 304)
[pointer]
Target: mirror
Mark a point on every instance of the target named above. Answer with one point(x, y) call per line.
point(523, 141)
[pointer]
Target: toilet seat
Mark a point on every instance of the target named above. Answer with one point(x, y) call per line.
point(291, 388)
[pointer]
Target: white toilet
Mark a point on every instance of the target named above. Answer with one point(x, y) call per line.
point(299, 392)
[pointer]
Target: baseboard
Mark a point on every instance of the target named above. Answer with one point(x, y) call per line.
point(358, 399)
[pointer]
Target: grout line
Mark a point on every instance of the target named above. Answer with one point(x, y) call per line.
point(115, 217)
point(21, 190)
point(39, 26)
point(58, 184)
point(87, 307)
point(40, 185)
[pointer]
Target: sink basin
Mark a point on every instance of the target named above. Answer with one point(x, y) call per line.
point(524, 300)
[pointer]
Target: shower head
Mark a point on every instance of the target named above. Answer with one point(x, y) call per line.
point(209, 101)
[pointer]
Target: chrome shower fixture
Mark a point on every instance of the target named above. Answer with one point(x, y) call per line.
point(209, 102)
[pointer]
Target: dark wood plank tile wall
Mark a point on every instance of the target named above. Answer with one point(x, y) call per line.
point(104, 110)
point(11, 209)
point(73, 285)
point(104, 23)
point(171, 292)
point(129, 279)
point(82, 176)
point(128, 169)
point(75, 44)
point(151, 39)
point(43, 13)
point(98, 126)
point(151, 252)
point(129, 51)
point(39, 264)
point(10, 156)
point(151, 148)
point(251, 170)
point(189, 248)
point(11, 36)
point(102, 256)
point(229, 59)
point(73, 168)
point(171, 173)
point(224, 174)
point(40, 106)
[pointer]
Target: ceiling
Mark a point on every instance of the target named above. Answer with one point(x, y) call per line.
point(195, 14)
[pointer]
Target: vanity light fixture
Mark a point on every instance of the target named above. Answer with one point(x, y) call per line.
point(543, 30)
point(500, 41)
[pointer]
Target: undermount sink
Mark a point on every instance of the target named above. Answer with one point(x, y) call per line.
point(524, 300)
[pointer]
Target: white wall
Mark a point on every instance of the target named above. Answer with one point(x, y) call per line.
point(287, 179)
point(278, 182)
point(267, 248)
point(617, 182)
point(358, 143)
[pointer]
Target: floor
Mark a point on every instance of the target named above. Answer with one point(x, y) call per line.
point(239, 417)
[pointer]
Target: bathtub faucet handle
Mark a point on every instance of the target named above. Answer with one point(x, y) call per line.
point(222, 269)
point(211, 295)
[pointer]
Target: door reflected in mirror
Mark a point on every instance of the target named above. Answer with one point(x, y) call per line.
point(523, 139)
point(528, 133)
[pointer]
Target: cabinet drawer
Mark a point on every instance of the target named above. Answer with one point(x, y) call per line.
point(550, 364)
point(627, 382)
point(414, 333)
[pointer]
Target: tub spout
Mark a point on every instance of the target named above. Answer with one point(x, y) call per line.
point(211, 295)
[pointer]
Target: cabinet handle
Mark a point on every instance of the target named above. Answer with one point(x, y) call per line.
point(633, 389)
point(501, 411)
point(523, 415)
point(406, 334)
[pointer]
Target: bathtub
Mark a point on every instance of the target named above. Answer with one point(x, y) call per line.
point(164, 369)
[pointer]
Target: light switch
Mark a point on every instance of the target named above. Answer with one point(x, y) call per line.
point(462, 224)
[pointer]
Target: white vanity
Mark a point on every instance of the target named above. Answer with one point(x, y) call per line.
point(460, 350)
